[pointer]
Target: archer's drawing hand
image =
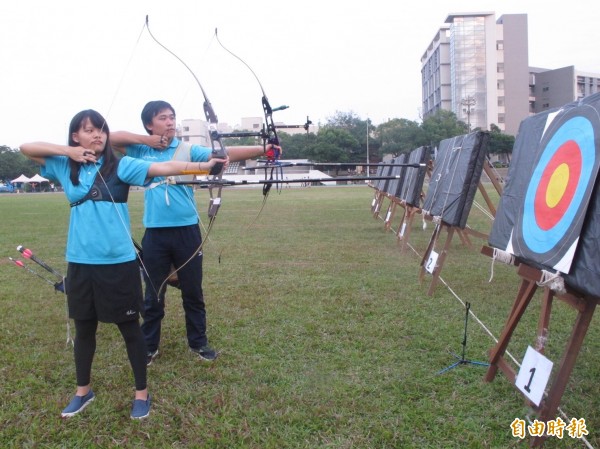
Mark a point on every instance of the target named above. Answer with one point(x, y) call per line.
point(82, 155)
point(158, 142)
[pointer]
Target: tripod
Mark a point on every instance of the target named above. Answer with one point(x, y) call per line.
point(462, 360)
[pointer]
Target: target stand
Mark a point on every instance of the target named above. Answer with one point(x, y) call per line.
point(391, 212)
point(434, 266)
point(405, 227)
point(376, 203)
point(463, 233)
point(585, 306)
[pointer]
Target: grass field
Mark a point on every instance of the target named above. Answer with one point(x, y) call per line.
point(327, 338)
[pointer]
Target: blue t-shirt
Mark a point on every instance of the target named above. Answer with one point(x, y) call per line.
point(168, 205)
point(99, 231)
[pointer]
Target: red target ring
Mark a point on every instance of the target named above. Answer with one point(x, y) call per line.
point(557, 185)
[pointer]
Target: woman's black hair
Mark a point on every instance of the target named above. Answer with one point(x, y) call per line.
point(151, 110)
point(109, 162)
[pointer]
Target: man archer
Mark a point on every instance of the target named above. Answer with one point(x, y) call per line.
point(172, 236)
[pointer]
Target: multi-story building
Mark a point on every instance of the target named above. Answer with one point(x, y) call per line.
point(196, 131)
point(553, 88)
point(477, 67)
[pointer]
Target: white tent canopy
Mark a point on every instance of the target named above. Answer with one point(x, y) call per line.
point(37, 178)
point(21, 178)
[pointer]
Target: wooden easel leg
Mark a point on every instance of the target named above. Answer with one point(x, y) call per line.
point(389, 216)
point(430, 246)
point(441, 259)
point(550, 404)
point(544, 322)
point(464, 238)
point(404, 228)
point(526, 291)
point(377, 204)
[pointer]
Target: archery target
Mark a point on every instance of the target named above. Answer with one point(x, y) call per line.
point(455, 178)
point(559, 190)
point(414, 177)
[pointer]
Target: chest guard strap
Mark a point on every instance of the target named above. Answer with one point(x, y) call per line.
point(113, 190)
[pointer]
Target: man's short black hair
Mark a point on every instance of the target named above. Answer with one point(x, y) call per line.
point(151, 110)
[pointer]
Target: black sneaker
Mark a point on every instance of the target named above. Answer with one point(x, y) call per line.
point(150, 356)
point(205, 353)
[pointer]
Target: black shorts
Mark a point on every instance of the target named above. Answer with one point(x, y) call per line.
point(108, 293)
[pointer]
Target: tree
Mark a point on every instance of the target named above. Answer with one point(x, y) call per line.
point(295, 146)
point(400, 136)
point(361, 130)
point(13, 164)
point(246, 140)
point(333, 145)
point(347, 120)
point(442, 125)
point(500, 143)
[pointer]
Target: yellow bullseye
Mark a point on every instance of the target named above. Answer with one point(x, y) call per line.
point(557, 185)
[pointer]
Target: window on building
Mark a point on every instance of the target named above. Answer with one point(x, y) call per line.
point(545, 89)
point(186, 138)
point(500, 45)
point(500, 67)
point(186, 128)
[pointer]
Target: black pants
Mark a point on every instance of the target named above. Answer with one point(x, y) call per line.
point(164, 248)
point(85, 347)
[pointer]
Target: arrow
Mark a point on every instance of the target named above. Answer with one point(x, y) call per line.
point(28, 254)
point(225, 182)
point(59, 286)
point(329, 164)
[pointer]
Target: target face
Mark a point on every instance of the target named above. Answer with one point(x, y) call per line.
point(559, 190)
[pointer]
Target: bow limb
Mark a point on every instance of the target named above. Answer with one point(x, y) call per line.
point(270, 134)
point(218, 151)
point(269, 131)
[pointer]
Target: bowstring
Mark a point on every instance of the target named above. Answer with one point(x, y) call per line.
point(127, 229)
point(217, 176)
point(265, 191)
point(98, 173)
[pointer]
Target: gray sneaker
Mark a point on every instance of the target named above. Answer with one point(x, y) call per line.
point(205, 353)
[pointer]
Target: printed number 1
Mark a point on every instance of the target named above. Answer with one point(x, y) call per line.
point(528, 386)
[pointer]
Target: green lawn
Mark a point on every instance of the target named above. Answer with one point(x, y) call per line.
point(327, 338)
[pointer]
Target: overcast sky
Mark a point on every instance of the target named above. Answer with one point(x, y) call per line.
point(316, 56)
